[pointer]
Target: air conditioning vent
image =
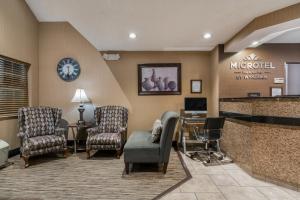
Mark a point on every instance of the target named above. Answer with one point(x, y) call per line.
point(111, 56)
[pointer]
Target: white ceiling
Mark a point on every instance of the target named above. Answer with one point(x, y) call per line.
point(160, 25)
point(288, 37)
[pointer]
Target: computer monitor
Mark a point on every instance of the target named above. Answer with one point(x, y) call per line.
point(195, 105)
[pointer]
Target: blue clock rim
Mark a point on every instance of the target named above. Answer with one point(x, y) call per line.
point(68, 80)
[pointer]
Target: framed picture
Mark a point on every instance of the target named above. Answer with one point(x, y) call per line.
point(159, 79)
point(196, 86)
point(276, 91)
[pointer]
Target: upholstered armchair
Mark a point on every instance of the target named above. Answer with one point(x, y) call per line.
point(39, 132)
point(110, 132)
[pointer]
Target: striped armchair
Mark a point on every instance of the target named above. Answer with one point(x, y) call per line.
point(39, 132)
point(111, 130)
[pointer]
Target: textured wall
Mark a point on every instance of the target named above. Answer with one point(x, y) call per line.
point(19, 40)
point(269, 152)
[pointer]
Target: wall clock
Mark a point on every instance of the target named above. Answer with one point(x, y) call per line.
point(68, 69)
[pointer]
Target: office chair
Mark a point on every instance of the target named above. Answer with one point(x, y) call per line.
point(211, 132)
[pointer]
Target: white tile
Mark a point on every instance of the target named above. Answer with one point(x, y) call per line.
point(274, 193)
point(245, 179)
point(223, 180)
point(234, 171)
point(208, 171)
point(179, 196)
point(241, 193)
point(293, 193)
point(199, 183)
point(231, 166)
point(196, 166)
point(210, 196)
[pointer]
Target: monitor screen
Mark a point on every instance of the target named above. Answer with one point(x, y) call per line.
point(195, 104)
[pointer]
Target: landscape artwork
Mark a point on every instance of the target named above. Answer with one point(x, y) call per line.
point(159, 79)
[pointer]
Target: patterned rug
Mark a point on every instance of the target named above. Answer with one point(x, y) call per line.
point(75, 177)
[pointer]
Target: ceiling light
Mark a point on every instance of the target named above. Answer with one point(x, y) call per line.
point(254, 43)
point(132, 35)
point(207, 36)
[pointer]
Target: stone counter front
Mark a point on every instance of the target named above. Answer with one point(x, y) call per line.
point(260, 142)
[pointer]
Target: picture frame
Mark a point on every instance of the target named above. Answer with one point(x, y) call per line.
point(276, 91)
point(159, 79)
point(196, 86)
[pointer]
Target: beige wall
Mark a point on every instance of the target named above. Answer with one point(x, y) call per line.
point(115, 82)
point(278, 18)
point(214, 82)
point(145, 109)
point(59, 40)
point(19, 40)
point(278, 54)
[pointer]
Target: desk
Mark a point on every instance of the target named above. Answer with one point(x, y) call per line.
point(262, 135)
point(188, 120)
point(74, 133)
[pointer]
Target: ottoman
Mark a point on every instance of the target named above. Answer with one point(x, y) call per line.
point(4, 148)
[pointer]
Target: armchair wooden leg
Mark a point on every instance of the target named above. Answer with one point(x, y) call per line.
point(119, 152)
point(26, 160)
point(88, 152)
point(165, 167)
point(65, 152)
point(127, 167)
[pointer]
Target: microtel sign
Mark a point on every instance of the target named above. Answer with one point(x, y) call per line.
point(251, 68)
point(251, 62)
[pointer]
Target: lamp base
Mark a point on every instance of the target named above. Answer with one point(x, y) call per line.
point(81, 110)
point(80, 123)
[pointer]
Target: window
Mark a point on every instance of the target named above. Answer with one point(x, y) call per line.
point(13, 86)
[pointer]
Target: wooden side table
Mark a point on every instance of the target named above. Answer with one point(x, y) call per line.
point(75, 127)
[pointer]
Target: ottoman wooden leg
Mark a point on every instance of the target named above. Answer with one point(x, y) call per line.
point(165, 167)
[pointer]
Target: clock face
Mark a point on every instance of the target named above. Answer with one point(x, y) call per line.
point(68, 69)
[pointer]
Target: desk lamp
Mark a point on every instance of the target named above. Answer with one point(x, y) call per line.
point(80, 97)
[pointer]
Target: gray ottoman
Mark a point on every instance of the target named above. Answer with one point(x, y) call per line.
point(4, 148)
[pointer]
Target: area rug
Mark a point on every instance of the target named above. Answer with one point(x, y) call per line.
point(75, 177)
point(201, 156)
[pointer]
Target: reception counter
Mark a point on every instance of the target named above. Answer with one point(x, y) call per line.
point(262, 135)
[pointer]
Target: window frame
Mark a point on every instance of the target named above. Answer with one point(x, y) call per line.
point(27, 66)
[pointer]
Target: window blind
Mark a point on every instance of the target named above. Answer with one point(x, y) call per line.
point(13, 86)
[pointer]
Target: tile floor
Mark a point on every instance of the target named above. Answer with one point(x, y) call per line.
point(226, 182)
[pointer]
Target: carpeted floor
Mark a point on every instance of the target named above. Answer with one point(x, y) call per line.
point(75, 177)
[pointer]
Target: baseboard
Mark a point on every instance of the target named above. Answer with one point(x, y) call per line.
point(14, 152)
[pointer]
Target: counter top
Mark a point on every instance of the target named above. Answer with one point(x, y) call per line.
point(247, 99)
point(288, 121)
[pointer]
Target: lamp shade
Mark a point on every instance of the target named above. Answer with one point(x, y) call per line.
point(80, 96)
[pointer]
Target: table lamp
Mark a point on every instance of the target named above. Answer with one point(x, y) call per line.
point(80, 97)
